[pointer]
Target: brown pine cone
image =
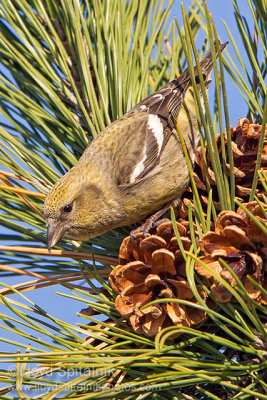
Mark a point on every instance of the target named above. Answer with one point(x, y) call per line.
point(245, 144)
point(242, 245)
point(150, 269)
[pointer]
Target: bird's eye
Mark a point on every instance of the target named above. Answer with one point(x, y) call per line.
point(67, 208)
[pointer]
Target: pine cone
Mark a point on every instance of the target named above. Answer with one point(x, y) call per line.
point(150, 269)
point(245, 144)
point(241, 243)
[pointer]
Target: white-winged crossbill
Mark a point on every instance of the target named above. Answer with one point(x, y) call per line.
point(132, 168)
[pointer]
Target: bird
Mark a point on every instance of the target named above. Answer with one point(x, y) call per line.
point(133, 168)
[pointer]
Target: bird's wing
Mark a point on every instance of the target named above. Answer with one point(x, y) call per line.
point(148, 127)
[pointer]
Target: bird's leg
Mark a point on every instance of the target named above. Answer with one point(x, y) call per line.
point(151, 222)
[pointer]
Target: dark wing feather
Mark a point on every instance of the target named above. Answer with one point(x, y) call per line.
point(149, 125)
point(150, 130)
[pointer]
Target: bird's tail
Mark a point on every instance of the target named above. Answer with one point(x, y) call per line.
point(168, 100)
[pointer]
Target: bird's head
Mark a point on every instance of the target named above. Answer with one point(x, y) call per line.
point(73, 208)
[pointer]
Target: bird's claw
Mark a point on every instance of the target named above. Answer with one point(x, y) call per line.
point(137, 233)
